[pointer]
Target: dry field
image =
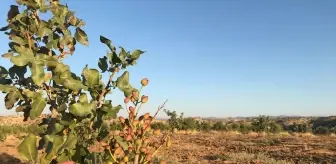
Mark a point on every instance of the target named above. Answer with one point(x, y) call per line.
point(215, 147)
point(220, 147)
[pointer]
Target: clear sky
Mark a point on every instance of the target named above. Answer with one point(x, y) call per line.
point(218, 57)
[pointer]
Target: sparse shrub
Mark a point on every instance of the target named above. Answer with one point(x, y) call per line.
point(204, 126)
point(175, 120)
point(321, 130)
point(3, 137)
point(264, 124)
point(219, 126)
point(160, 125)
point(42, 34)
point(245, 128)
point(188, 124)
point(274, 127)
point(300, 128)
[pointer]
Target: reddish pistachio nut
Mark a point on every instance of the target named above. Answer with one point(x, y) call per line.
point(157, 131)
point(149, 157)
point(147, 121)
point(126, 100)
point(131, 109)
point(169, 143)
point(148, 128)
point(146, 141)
point(133, 99)
point(135, 122)
point(156, 145)
point(130, 130)
point(129, 137)
point(143, 149)
point(163, 162)
point(146, 115)
point(130, 148)
point(138, 132)
point(115, 69)
point(103, 143)
point(121, 134)
point(117, 151)
point(68, 162)
point(135, 94)
point(131, 116)
point(144, 82)
point(144, 99)
point(121, 119)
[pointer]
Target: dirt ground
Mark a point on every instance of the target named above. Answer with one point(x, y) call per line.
point(217, 147)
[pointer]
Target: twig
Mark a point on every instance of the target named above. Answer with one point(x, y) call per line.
point(159, 108)
point(137, 111)
point(104, 91)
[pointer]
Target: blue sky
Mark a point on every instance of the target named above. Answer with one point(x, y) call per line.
point(218, 58)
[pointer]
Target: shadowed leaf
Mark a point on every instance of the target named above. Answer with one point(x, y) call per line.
point(81, 37)
point(102, 64)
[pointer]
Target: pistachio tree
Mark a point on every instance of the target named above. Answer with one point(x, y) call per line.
point(39, 80)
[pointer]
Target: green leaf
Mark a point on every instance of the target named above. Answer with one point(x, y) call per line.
point(80, 109)
point(19, 40)
point(7, 88)
point(25, 56)
point(62, 107)
point(20, 108)
point(37, 106)
point(81, 37)
point(136, 54)
point(122, 54)
point(54, 143)
point(30, 94)
point(91, 77)
point(3, 72)
point(110, 110)
point(123, 84)
point(105, 40)
point(38, 74)
point(11, 98)
point(115, 59)
point(4, 28)
point(56, 127)
point(70, 142)
point(83, 98)
point(44, 160)
point(74, 85)
point(50, 61)
point(121, 142)
point(43, 31)
point(102, 64)
point(27, 148)
point(64, 157)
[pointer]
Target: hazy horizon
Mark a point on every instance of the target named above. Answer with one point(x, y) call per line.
point(216, 58)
